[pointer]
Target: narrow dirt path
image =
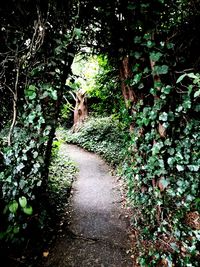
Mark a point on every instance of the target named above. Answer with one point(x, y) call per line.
point(97, 235)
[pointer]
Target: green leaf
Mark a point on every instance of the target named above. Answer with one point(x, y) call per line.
point(54, 95)
point(16, 230)
point(174, 247)
point(28, 210)
point(166, 90)
point(31, 88)
point(78, 32)
point(155, 56)
point(180, 168)
point(192, 76)
point(181, 78)
point(35, 154)
point(170, 161)
point(13, 206)
point(150, 44)
point(197, 93)
point(131, 6)
point(193, 168)
point(187, 104)
point(136, 78)
point(32, 96)
point(170, 45)
point(137, 39)
point(137, 55)
point(39, 183)
point(163, 116)
point(23, 202)
point(30, 92)
point(164, 182)
point(161, 69)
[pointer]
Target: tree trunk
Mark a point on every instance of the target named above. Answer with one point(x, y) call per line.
point(81, 109)
point(127, 91)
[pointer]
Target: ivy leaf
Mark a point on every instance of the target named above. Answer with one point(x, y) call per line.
point(155, 56)
point(23, 202)
point(171, 151)
point(13, 206)
point(180, 168)
point(163, 116)
point(197, 93)
point(166, 90)
point(187, 104)
point(54, 95)
point(32, 96)
point(137, 55)
point(20, 166)
point(193, 168)
point(30, 92)
point(150, 44)
point(78, 32)
point(161, 69)
point(170, 45)
point(163, 183)
point(181, 78)
point(192, 75)
point(39, 183)
point(28, 210)
point(174, 247)
point(35, 154)
point(137, 40)
point(16, 230)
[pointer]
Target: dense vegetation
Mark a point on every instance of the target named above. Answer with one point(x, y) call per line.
point(152, 53)
point(104, 136)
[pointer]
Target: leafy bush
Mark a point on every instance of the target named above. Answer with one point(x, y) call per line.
point(163, 176)
point(102, 135)
point(62, 172)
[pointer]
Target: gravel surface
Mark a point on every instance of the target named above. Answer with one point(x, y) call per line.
point(97, 235)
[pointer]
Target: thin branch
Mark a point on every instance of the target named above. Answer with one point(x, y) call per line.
point(72, 95)
point(9, 88)
point(70, 105)
point(14, 108)
point(183, 71)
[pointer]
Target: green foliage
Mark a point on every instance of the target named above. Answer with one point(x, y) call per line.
point(161, 38)
point(61, 175)
point(104, 136)
point(105, 95)
point(163, 174)
point(36, 61)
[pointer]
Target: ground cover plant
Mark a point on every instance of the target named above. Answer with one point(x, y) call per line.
point(104, 136)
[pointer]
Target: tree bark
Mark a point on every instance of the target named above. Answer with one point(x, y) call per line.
point(127, 91)
point(81, 109)
point(125, 74)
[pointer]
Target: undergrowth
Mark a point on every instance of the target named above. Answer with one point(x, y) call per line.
point(104, 136)
point(61, 175)
point(52, 214)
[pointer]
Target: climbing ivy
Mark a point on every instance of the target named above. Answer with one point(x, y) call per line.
point(39, 57)
point(163, 175)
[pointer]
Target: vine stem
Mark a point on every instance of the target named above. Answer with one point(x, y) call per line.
point(14, 108)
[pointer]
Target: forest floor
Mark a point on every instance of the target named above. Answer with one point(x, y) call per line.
point(97, 235)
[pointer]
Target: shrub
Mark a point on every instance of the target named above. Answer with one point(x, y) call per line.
point(105, 136)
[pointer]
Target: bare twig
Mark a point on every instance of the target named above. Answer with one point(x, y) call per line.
point(72, 95)
point(183, 71)
point(14, 108)
point(70, 105)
